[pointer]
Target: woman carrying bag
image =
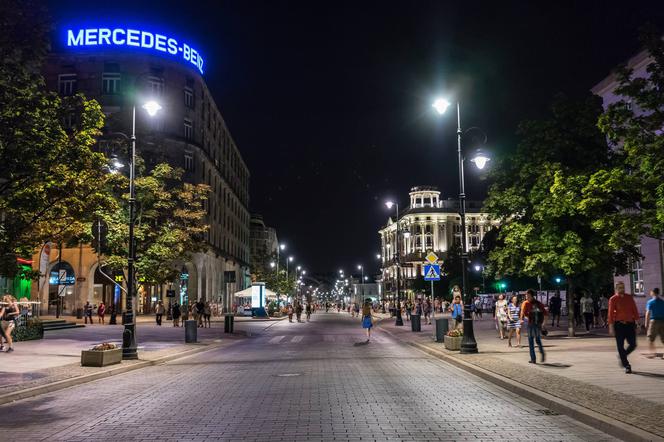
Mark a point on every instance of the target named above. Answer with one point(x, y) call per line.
point(366, 318)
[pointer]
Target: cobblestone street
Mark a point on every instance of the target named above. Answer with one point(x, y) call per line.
point(308, 381)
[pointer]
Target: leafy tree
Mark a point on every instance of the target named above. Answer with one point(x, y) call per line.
point(169, 223)
point(540, 194)
point(51, 179)
point(633, 125)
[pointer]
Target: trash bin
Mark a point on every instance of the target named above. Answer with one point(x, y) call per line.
point(79, 313)
point(415, 324)
point(190, 331)
point(441, 329)
point(229, 321)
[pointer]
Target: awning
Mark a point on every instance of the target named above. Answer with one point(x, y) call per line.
point(246, 293)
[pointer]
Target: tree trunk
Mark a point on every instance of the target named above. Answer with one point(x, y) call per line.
point(571, 322)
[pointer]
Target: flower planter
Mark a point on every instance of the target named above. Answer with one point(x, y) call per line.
point(92, 358)
point(452, 343)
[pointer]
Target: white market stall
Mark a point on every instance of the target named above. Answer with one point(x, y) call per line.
point(251, 301)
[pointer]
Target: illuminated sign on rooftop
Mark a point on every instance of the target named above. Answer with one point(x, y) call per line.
point(89, 37)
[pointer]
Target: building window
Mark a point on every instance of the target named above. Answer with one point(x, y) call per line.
point(188, 129)
point(156, 86)
point(67, 84)
point(637, 276)
point(189, 97)
point(188, 161)
point(110, 83)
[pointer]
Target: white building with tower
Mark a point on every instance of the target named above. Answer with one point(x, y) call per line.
point(429, 223)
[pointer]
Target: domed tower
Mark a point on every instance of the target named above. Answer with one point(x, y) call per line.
point(424, 196)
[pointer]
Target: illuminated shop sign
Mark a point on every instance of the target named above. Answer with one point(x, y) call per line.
point(89, 37)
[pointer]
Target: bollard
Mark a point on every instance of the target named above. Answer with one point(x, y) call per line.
point(415, 323)
point(442, 326)
point(229, 322)
point(190, 331)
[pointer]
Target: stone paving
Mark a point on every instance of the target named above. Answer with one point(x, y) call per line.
point(582, 370)
point(314, 381)
point(57, 357)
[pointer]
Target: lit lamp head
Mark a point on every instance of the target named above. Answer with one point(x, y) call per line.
point(359, 267)
point(477, 268)
point(389, 204)
point(378, 256)
point(441, 105)
point(152, 107)
point(272, 264)
point(290, 258)
point(282, 246)
point(480, 159)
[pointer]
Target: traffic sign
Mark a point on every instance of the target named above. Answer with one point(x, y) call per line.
point(432, 258)
point(432, 272)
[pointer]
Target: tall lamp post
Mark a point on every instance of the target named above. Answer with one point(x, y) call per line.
point(399, 320)
point(129, 347)
point(468, 344)
point(361, 268)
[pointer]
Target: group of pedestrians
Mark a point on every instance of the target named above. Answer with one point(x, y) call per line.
point(512, 316)
point(200, 311)
point(297, 310)
point(89, 310)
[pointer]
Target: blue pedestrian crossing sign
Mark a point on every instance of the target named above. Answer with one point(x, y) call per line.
point(432, 272)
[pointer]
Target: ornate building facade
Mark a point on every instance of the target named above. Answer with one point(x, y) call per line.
point(427, 224)
point(189, 132)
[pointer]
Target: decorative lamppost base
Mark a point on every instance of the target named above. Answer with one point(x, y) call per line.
point(468, 343)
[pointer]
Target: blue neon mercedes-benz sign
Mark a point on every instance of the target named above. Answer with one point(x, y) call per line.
point(120, 36)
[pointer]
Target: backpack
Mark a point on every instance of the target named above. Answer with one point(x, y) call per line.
point(537, 313)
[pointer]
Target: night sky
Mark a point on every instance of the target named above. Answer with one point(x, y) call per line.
point(330, 102)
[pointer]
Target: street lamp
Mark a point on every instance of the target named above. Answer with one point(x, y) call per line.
point(129, 347)
point(399, 320)
point(468, 344)
point(480, 268)
point(361, 268)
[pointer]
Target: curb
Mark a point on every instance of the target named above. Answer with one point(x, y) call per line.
point(589, 417)
point(78, 380)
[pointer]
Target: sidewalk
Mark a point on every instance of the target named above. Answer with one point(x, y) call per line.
point(56, 358)
point(144, 319)
point(583, 371)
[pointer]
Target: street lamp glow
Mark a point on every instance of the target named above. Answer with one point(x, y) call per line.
point(304, 272)
point(389, 204)
point(359, 267)
point(477, 268)
point(290, 258)
point(378, 256)
point(299, 268)
point(152, 107)
point(272, 264)
point(441, 105)
point(480, 160)
point(282, 246)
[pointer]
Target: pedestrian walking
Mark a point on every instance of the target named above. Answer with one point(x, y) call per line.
point(356, 309)
point(199, 308)
point(159, 311)
point(87, 312)
point(457, 311)
point(427, 311)
point(478, 308)
point(308, 311)
point(367, 322)
point(604, 310)
point(501, 314)
point(623, 320)
point(409, 310)
point(289, 309)
point(655, 319)
point(101, 311)
point(555, 304)
point(207, 315)
point(513, 322)
point(298, 311)
point(534, 312)
point(9, 313)
point(176, 314)
point(587, 309)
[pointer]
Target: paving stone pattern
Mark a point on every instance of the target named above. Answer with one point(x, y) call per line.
point(318, 382)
